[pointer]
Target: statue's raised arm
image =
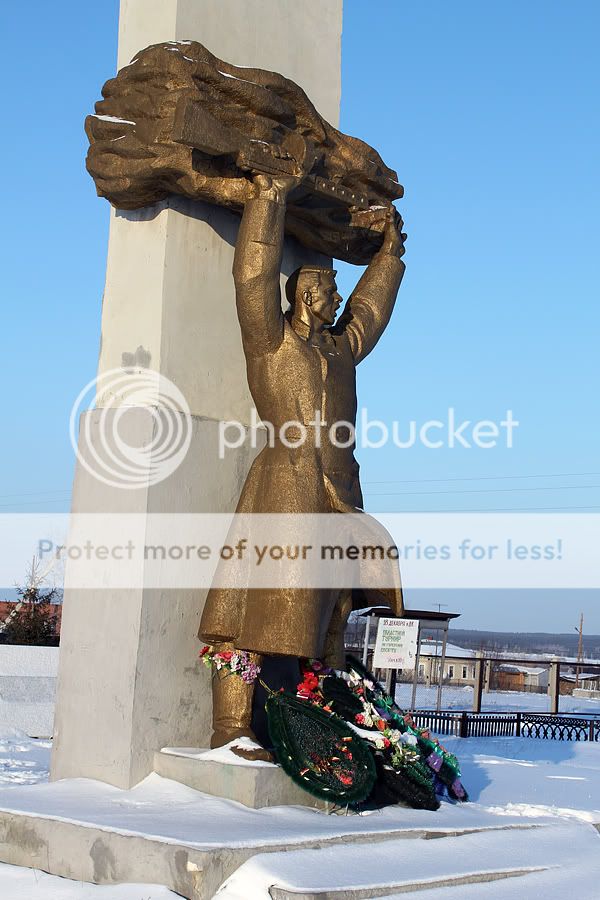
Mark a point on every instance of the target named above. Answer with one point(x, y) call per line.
point(369, 308)
point(257, 264)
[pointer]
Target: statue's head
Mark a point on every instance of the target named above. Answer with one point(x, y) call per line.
point(312, 293)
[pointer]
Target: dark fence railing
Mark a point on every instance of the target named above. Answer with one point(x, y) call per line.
point(438, 722)
point(510, 724)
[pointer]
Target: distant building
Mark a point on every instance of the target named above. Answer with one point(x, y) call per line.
point(584, 686)
point(510, 677)
point(459, 665)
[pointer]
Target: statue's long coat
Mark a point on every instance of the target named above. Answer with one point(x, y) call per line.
point(291, 376)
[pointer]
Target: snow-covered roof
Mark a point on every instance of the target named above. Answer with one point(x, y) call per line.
point(585, 676)
point(526, 670)
point(434, 648)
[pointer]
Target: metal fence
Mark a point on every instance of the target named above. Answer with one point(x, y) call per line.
point(510, 724)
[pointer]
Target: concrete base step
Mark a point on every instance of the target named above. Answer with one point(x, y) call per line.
point(161, 832)
point(436, 868)
point(278, 893)
point(256, 785)
point(88, 853)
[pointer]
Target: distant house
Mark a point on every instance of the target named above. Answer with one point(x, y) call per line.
point(589, 684)
point(459, 664)
point(509, 677)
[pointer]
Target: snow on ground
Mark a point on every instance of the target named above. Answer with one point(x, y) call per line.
point(544, 797)
point(530, 777)
point(462, 698)
point(22, 759)
point(29, 884)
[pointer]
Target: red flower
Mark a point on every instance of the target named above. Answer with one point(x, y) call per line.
point(380, 724)
point(204, 651)
point(386, 743)
point(359, 719)
point(308, 685)
point(345, 779)
point(226, 655)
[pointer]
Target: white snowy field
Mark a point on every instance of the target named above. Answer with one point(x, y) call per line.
point(29, 884)
point(534, 806)
point(462, 698)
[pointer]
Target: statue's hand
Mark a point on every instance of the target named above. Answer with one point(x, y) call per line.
point(274, 187)
point(298, 157)
point(393, 236)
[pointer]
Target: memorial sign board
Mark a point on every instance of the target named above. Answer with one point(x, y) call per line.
point(396, 643)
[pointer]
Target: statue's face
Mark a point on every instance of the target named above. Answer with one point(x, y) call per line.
point(324, 300)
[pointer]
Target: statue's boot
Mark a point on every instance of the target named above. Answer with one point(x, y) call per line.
point(232, 713)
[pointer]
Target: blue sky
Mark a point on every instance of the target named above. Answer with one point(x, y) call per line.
point(488, 111)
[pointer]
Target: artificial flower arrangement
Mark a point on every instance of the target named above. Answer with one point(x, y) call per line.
point(400, 771)
point(378, 706)
point(414, 765)
point(238, 662)
point(344, 739)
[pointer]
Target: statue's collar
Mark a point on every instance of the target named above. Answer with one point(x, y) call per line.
point(304, 331)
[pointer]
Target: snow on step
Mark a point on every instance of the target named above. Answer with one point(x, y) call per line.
point(551, 884)
point(397, 867)
point(165, 810)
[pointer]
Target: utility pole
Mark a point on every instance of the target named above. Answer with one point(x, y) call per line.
point(579, 651)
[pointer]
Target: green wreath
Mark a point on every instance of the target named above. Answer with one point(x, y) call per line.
point(319, 751)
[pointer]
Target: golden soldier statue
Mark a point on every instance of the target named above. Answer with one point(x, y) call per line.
point(301, 368)
point(192, 124)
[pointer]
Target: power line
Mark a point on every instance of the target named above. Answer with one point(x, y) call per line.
point(500, 509)
point(488, 478)
point(405, 481)
point(34, 503)
point(33, 494)
point(569, 487)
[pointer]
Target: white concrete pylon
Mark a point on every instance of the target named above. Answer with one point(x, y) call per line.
point(129, 682)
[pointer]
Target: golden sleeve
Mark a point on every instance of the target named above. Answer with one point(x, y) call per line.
point(256, 268)
point(370, 306)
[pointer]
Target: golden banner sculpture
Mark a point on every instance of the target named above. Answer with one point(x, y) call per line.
point(179, 120)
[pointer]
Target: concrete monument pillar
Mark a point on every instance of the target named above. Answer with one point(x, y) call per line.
point(129, 682)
